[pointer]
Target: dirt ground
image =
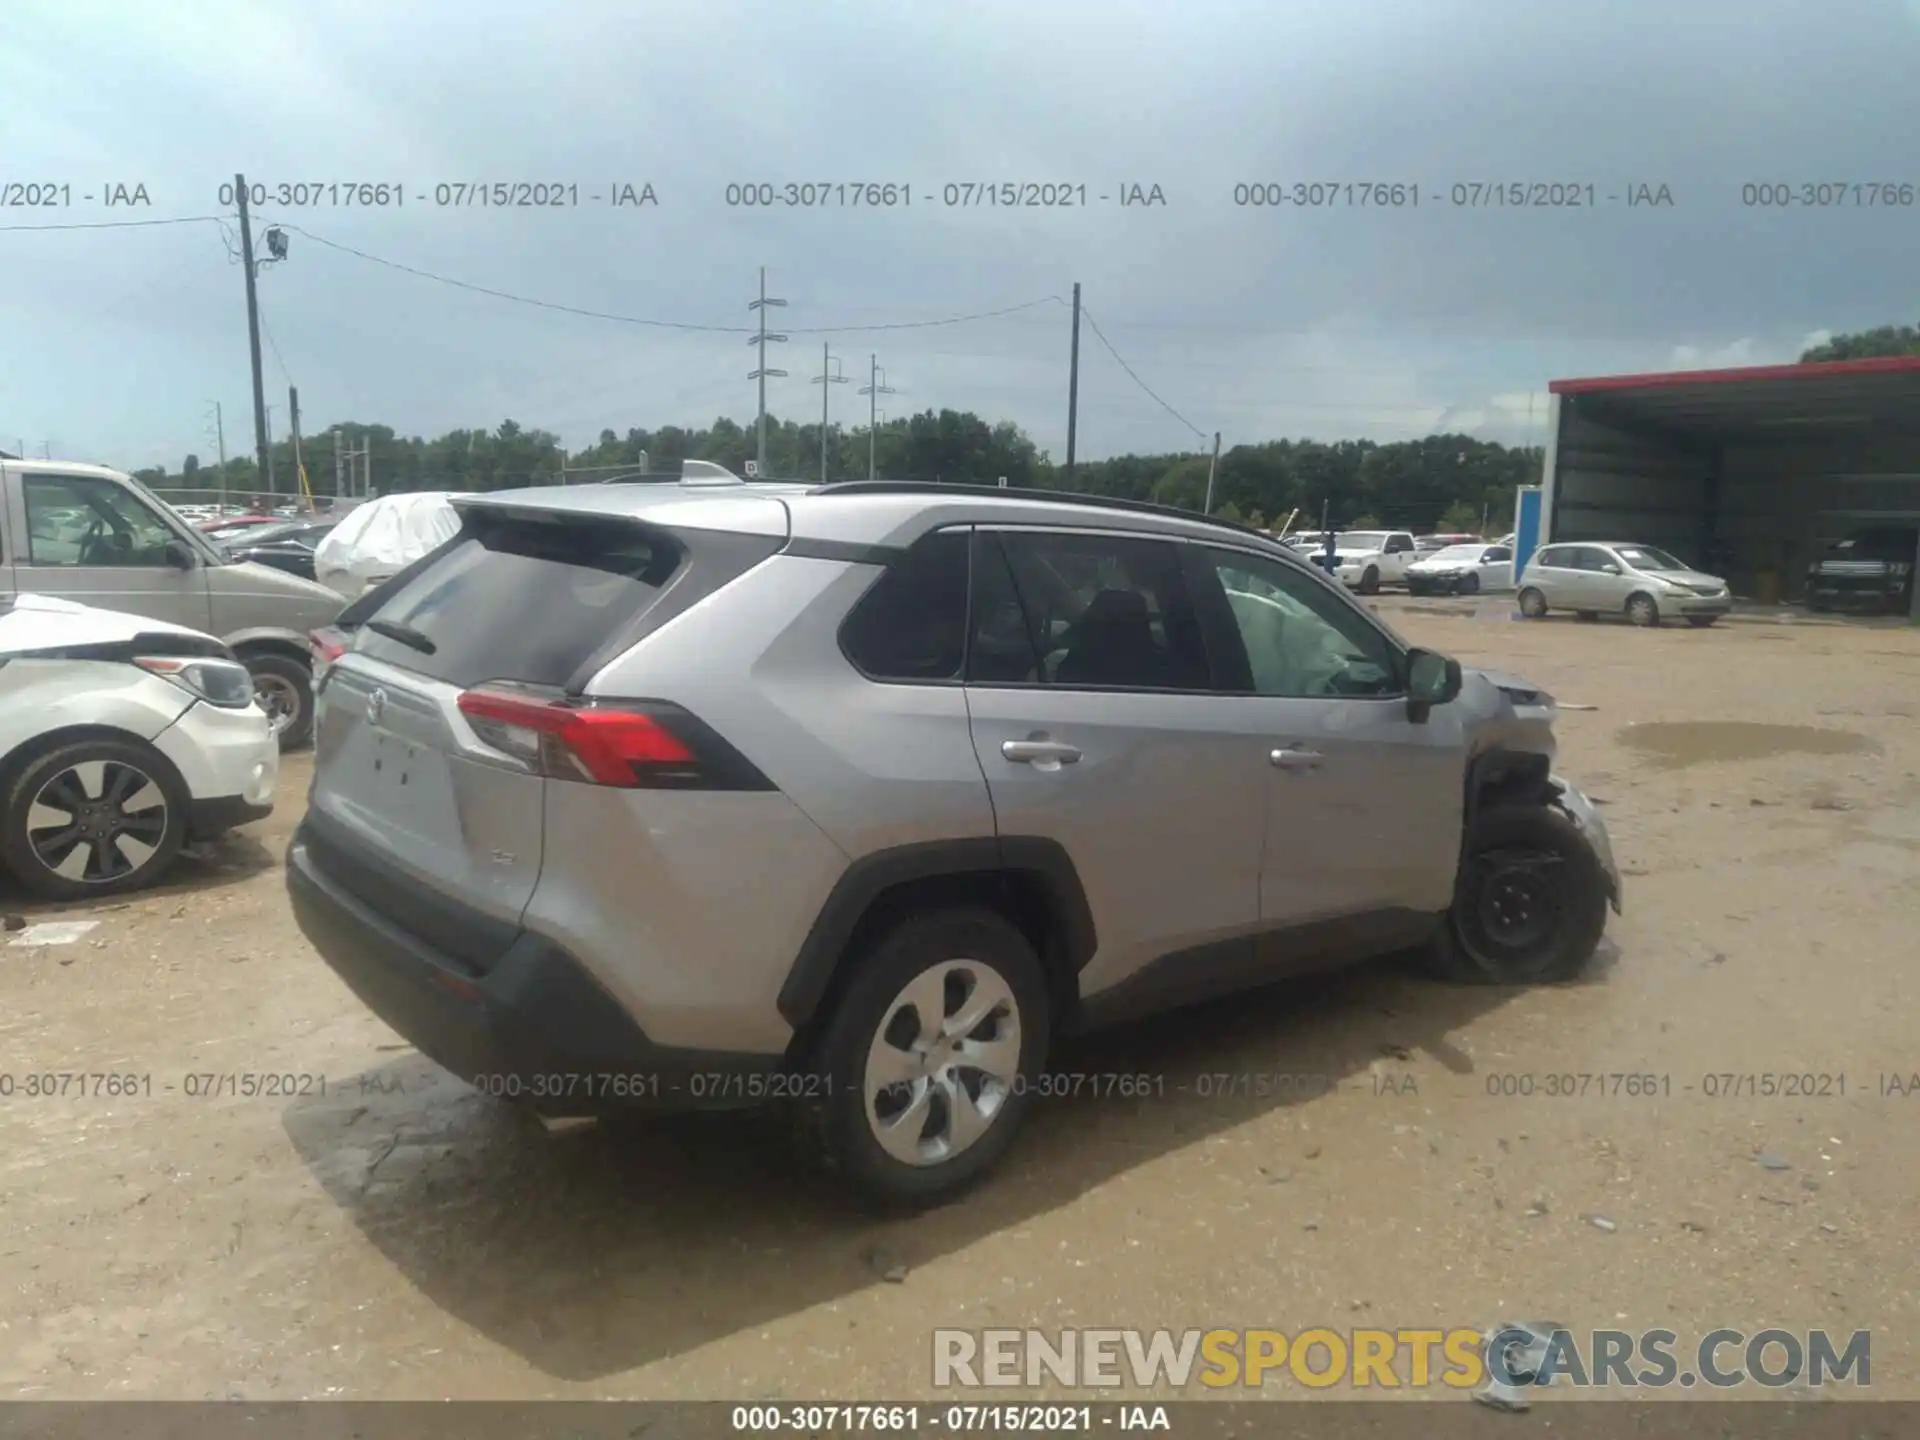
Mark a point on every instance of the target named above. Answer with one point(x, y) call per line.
point(400, 1237)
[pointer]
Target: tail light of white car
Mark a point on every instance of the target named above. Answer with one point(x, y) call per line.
point(632, 745)
point(224, 683)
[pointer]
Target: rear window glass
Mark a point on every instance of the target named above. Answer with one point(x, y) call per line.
point(519, 600)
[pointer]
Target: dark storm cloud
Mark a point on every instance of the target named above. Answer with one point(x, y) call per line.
point(1255, 322)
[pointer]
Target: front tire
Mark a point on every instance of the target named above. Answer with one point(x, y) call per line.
point(930, 1057)
point(283, 687)
point(1643, 610)
point(1533, 604)
point(92, 818)
point(1531, 902)
point(1469, 585)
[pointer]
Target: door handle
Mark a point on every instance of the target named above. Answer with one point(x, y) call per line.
point(1039, 752)
point(1296, 759)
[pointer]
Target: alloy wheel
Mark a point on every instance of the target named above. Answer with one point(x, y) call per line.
point(943, 1063)
point(279, 698)
point(97, 821)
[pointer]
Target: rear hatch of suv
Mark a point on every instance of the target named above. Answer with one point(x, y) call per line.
point(456, 697)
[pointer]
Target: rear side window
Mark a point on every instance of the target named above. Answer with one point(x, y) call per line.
point(520, 600)
point(912, 625)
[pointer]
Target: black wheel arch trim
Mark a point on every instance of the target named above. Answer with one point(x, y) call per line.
point(871, 876)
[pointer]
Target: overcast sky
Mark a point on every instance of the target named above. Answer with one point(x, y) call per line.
point(1258, 322)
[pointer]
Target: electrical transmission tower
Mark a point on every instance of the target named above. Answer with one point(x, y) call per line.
point(875, 387)
point(762, 340)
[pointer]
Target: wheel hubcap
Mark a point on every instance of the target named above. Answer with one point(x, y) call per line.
point(278, 698)
point(96, 821)
point(943, 1063)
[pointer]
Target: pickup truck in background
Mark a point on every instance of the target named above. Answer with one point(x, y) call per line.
point(1870, 570)
point(1364, 560)
point(98, 536)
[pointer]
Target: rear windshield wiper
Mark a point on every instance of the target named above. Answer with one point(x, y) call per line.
point(405, 634)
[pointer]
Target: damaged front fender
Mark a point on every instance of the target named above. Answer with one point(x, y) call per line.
point(1568, 799)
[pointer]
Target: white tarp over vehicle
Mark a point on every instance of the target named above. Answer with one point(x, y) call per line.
point(382, 537)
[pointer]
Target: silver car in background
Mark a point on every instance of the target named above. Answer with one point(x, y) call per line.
point(1462, 570)
point(1642, 582)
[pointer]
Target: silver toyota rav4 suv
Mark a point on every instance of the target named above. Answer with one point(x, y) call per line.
point(858, 796)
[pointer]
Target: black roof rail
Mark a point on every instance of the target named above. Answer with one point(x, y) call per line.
point(1016, 492)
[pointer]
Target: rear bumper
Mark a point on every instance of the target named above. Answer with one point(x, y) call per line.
point(536, 1028)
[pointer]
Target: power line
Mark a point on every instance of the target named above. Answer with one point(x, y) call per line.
point(273, 345)
point(661, 324)
point(120, 224)
point(1087, 315)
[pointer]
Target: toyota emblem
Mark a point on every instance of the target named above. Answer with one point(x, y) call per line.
point(376, 706)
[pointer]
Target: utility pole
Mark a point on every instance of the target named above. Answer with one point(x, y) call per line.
point(826, 379)
point(273, 487)
point(875, 387)
point(1073, 381)
point(293, 426)
point(763, 339)
point(1212, 469)
point(220, 436)
point(260, 442)
point(338, 493)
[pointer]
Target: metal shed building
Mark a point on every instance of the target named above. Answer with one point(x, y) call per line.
point(1749, 473)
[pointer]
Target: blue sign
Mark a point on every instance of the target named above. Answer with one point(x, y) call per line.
point(1526, 527)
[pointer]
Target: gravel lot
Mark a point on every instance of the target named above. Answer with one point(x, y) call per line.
point(400, 1237)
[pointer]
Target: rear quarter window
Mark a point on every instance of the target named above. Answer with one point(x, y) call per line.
point(520, 600)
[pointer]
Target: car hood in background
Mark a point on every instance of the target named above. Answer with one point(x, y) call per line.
point(35, 623)
point(1688, 577)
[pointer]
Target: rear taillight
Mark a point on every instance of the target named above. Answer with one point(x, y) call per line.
point(640, 745)
point(328, 644)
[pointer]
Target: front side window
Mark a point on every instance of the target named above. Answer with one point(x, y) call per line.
point(85, 520)
point(1096, 612)
point(1301, 640)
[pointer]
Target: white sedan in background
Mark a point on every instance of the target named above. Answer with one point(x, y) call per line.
point(121, 739)
point(1462, 570)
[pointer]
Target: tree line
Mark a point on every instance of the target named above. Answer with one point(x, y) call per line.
point(1439, 482)
point(1444, 482)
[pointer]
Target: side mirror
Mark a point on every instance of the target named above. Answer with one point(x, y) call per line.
point(178, 555)
point(1432, 679)
point(1609, 568)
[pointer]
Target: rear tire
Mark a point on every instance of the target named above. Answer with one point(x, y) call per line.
point(283, 687)
point(1370, 581)
point(887, 1140)
point(1533, 604)
point(1701, 622)
point(1531, 902)
point(1643, 610)
point(125, 819)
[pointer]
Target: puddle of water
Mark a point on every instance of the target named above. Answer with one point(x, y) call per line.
point(1695, 742)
